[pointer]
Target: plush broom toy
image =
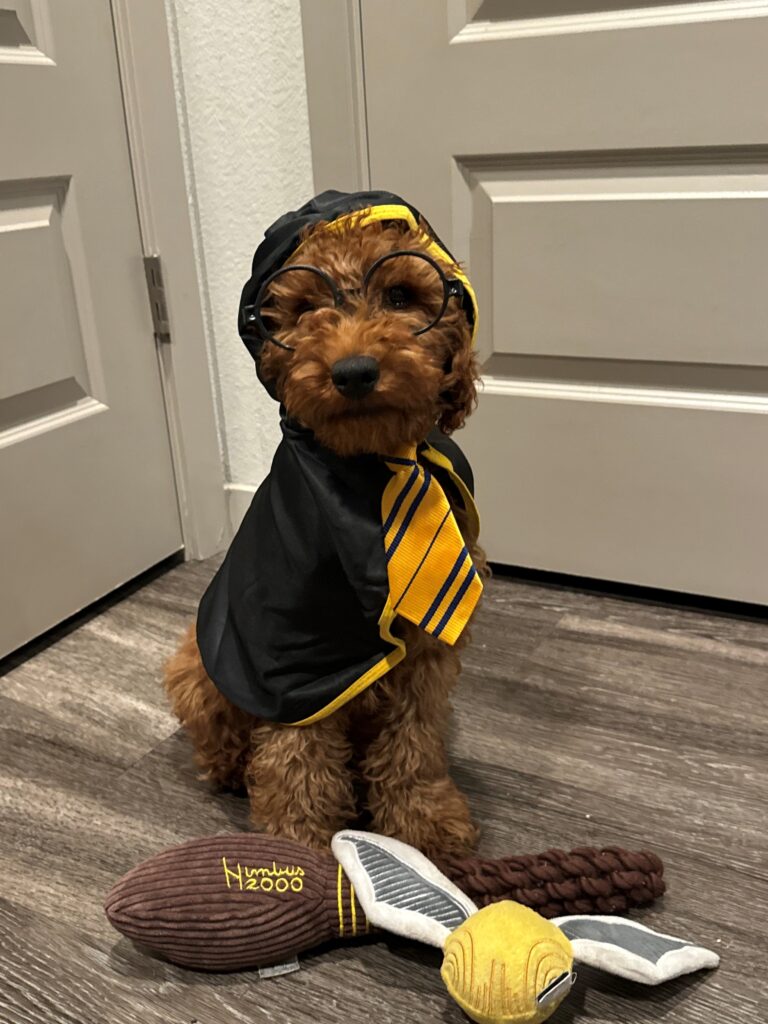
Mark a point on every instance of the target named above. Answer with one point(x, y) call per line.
point(240, 901)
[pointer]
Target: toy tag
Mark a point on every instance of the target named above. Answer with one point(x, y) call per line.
point(277, 969)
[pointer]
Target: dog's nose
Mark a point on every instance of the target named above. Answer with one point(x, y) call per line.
point(355, 376)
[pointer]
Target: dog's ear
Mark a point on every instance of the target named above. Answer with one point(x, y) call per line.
point(269, 368)
point(459, 395)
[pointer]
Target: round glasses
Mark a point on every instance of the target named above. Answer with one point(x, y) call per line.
point(403, 284)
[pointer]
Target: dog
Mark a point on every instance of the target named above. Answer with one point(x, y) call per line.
point(358, 380)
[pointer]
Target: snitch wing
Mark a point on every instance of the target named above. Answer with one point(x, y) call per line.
point(631, 950)
point(399, 888)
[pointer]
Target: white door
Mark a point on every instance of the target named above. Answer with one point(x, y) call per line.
point(87, 496)
point(605, 173)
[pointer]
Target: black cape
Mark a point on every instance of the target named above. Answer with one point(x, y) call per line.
point(297, 621)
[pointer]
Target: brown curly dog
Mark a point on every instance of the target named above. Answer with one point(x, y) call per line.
point(382, 754)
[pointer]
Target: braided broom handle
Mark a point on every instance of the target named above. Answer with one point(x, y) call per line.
point(583, 881)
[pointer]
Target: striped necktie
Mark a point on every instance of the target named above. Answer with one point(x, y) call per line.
point(432, 581)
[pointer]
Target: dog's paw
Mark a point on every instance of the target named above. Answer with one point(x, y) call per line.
point(432, 816)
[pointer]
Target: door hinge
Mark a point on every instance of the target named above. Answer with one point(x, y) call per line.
point(156, 290)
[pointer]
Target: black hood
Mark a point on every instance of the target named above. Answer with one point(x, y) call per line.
point(283, 237)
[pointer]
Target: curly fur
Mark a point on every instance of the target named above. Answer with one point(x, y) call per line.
point(383, 754)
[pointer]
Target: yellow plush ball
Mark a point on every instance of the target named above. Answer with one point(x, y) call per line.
point(507, 965)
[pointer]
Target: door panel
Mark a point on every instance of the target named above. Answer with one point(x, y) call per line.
point(88, 497)
point(615, 484)
point(653, 267)
point(43, 341)
point(604, 172)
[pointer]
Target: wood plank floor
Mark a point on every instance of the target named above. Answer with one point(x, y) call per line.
point(582, 719)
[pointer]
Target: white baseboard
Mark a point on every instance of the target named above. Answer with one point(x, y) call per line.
point(239, 497)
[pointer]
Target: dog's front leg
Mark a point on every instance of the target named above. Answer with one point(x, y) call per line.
point(410, 794)
point(299, 781)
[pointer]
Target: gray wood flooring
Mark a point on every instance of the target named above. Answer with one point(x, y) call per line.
point(583, 719)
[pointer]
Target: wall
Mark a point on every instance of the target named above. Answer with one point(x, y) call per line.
point(241, 92)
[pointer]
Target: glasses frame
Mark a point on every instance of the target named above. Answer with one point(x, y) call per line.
point(251, 322)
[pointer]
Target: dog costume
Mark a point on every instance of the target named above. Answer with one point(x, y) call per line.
point(299, 618)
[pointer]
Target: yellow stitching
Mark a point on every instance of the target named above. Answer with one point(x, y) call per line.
point(352, 905)
point(341, 905)
point(228, 873)
point(265, 877)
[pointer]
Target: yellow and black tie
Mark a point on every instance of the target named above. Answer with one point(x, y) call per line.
point(432, 580)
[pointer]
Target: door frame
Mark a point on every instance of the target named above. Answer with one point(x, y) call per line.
point(158, 145)
point(333, 61)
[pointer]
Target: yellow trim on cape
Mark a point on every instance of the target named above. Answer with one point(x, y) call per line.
point(376, 671)
point(389, 615)
point(394, 211)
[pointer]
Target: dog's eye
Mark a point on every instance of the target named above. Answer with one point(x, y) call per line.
point(305, 306)
point(399, 296)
